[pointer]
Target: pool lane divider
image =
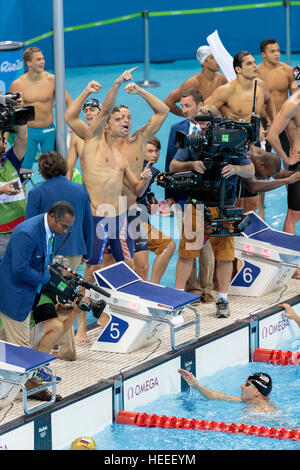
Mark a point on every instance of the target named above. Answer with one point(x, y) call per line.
point(276, 357)
point(171, 422)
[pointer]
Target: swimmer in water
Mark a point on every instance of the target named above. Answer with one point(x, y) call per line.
point(254, 392)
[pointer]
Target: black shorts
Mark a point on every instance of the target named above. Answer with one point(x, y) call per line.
point(294, 191)
point(44, 312)
point(140, 237)
point(285, 143)
point(245, 191)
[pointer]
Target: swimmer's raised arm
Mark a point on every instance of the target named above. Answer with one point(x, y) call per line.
point(75, 107)
point(209, 394)
point(98, 124)
point(160, 109)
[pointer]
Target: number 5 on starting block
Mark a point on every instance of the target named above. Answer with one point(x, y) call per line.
point(114, 330)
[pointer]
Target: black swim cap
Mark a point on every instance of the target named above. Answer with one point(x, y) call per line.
point(262, 382)
point(93, 103)
point(297, 72)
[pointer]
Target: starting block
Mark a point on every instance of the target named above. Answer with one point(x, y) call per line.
point(269, 258)
point(17, 365)
point(138, 310)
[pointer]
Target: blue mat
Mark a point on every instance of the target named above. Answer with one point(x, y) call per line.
point(22, 357)
point(259, 230)
point(160, 294)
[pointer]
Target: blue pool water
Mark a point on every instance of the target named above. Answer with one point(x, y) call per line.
point(190, 404)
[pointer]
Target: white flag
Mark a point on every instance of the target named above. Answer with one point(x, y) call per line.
point(221, 55)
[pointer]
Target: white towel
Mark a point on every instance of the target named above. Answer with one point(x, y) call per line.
point(221, 55)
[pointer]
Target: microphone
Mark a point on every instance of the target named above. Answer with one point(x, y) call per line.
point(63, 242)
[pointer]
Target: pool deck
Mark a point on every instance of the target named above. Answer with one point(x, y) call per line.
point(99, 369)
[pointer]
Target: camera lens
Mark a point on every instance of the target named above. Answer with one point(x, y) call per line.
point(83, 306)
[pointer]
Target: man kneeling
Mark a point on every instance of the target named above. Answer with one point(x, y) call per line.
point(53, 324)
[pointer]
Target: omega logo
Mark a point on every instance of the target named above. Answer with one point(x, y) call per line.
point(139, 389)
point(275, 328)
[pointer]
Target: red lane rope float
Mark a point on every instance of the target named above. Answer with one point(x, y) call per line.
point(277, 357)
point(144, 419)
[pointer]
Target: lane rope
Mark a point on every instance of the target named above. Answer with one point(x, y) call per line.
point(276, 356)
point(171, 422)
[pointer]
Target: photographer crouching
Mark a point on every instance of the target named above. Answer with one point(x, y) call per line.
point(53, 322)
point(217, 188)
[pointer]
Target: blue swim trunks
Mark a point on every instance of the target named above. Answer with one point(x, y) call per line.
point(42, 139)
point(140, 239)
point(116, 232)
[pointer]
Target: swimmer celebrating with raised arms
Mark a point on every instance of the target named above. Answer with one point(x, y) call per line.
point(105, 170)
point(254, 392)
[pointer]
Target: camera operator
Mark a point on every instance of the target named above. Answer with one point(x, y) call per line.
point(200, 283)
point(50, 328)
point(24, 270)
point(12, 197)
point(223, 247)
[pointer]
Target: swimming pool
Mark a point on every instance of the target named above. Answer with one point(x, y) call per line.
point(190, 404)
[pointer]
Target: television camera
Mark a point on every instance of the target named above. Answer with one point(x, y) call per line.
point(64, 283)
point(11, 115)
point(225, 142)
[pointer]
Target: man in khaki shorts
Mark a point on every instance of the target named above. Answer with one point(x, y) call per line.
point(223, 247)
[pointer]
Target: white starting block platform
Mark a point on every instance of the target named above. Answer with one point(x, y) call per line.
point(269, 257)
point(138, 310)
point(17, 365)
